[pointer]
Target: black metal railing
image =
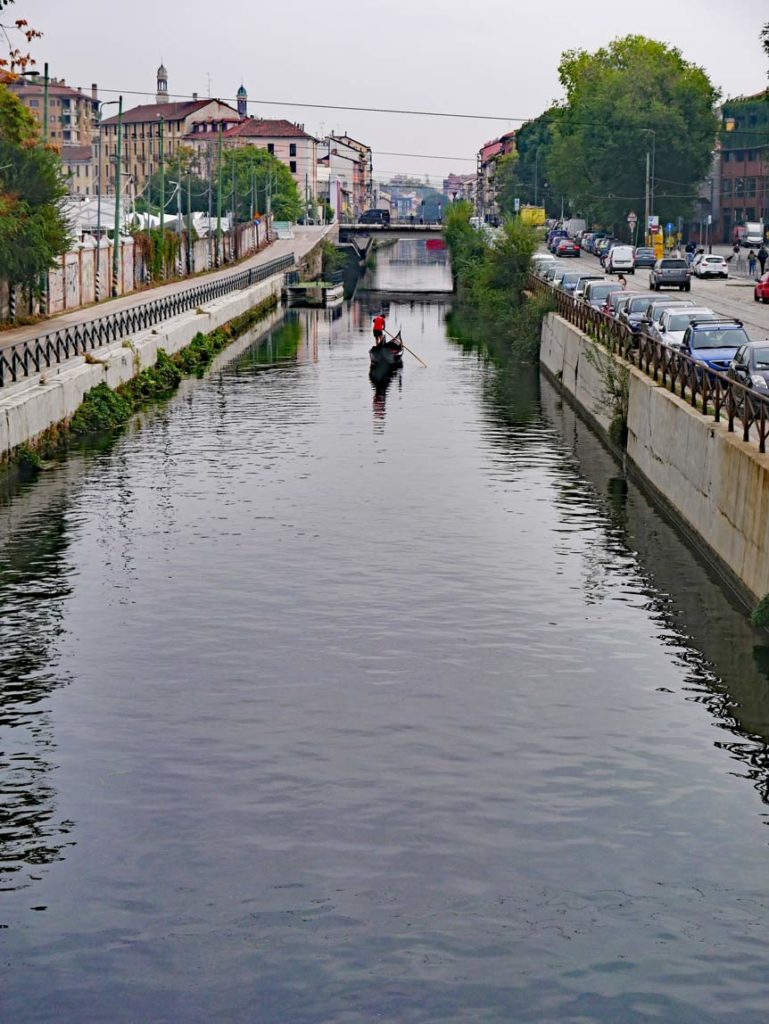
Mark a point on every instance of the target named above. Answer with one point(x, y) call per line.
point(712, 393)
point(38, 354)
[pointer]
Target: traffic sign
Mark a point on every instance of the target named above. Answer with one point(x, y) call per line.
point(669, 227)
point(632, 219)
point(517, 205)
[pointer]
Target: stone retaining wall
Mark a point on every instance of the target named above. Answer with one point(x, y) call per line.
point(717, 484)
point(31, 407)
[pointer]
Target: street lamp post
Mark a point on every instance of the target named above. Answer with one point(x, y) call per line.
point(219, 199)
point(162, 158)
point(116, 239)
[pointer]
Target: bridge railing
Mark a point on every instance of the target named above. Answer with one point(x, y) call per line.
point(712, 393)
point(37, 354)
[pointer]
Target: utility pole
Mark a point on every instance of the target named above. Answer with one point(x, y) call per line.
point(190, 265)
point(646, 201)
point(119, 160)
point(179, 187)
point(234, 217)
point(219, 200)
point(209, 259)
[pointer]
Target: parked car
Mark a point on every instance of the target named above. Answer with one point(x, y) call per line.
point(750, 365)
point(597, 292)
point(579, 289)
point(566, 247)
point(761, 290)
point(674, 320)
point(569, 281)
point(714, 342)
point(707, 265)
point(644, 256)
point(653, 312)
point(540, 261)
point(554, 237)
point(616, 302)
point(670, 272)
point(558, 275)
point(619, 260)
point(634, 312)
point(550, 270)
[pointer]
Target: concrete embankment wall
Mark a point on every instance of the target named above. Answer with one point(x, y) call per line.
point(31, 407)
point(716, 484)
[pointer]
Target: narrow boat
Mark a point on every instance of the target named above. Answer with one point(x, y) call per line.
point(387, 357)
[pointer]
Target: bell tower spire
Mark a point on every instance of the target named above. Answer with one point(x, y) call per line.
point(162, 94)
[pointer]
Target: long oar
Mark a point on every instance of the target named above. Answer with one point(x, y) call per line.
point(394, 336)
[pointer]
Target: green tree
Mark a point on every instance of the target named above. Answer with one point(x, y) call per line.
point(629, 98)
point(259, 178)
point(765, 38)
point(183, 166)
point(33, 229)
point(525, 174)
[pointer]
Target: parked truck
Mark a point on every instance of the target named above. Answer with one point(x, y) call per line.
point(574, 226)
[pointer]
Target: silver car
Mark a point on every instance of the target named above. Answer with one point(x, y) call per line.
point(674, 320)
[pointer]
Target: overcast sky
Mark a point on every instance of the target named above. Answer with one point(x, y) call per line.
point(479, 57)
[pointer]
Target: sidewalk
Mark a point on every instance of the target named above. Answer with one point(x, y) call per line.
point(305, 238)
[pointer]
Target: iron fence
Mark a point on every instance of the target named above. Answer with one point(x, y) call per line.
point(714, 394)
point(33, 356)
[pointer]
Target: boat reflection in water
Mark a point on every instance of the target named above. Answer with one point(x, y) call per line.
point(380, 385)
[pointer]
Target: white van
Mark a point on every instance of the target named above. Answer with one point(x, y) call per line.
point(620, 260)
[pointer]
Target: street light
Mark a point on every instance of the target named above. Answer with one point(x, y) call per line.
point(650, 182)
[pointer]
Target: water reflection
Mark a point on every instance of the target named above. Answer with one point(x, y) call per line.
point(409, 266)
point(34, 585)
point(704, 626)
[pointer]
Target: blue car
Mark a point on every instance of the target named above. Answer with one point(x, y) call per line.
point(714, 342)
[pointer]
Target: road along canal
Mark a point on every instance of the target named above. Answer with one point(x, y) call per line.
point(323, 702)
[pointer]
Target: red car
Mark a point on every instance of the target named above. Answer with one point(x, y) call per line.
point(567, 248)
point(761, 291)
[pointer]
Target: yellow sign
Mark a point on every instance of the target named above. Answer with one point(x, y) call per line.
point(659, 245)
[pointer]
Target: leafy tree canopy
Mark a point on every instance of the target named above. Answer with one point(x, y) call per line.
point(259, 179)
point(33, 230)
point(183, 167)
point(633, 96)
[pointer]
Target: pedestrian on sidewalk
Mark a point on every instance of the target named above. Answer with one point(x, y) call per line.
point(752, 263)
point(763, 256)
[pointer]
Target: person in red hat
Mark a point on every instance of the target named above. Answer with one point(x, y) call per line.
point(379, 329)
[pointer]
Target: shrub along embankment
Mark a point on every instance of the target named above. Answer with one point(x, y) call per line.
point(490, 277)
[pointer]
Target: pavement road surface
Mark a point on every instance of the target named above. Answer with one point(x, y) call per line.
point(305, 238)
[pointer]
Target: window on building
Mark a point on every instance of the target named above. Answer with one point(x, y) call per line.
point(292, 166)
point(270, 147)
point(750, 186)
point(292, 149)
point(34, 103)
point(726, 187)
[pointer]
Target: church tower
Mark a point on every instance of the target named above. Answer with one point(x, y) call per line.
point(242, 101)
point(162, 94)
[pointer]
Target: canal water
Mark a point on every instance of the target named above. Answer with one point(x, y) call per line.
point(322, 704)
